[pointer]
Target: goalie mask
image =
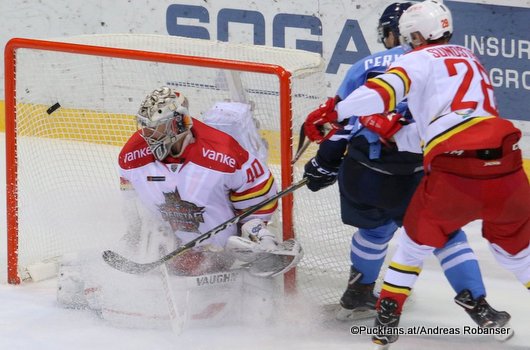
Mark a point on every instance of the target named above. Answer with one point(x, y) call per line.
point(164, 121)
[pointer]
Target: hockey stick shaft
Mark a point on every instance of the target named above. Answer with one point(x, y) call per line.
point(176, 319)
point(121, 263)
point(304, 144)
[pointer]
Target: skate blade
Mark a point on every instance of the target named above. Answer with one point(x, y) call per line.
point(504, 337)
point(381, 346)
point(354, 315)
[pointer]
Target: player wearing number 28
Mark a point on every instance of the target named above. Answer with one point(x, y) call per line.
point(376, 183)
point(473, 166)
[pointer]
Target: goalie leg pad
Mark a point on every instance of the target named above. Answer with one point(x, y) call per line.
point(233, 297)
point(70, 285)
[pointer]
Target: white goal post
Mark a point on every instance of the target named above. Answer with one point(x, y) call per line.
point(70, 106)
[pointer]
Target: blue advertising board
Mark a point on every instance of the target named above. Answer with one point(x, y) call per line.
point(498, 35)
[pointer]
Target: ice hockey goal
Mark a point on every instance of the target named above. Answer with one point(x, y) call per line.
point(70, 105)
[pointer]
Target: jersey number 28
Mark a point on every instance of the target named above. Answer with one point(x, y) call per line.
point(458, 101)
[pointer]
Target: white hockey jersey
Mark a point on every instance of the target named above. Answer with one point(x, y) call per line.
point(212, 181)
point(448, 92)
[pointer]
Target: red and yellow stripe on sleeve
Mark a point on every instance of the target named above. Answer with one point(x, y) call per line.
point(391, 86)
point(252, 196)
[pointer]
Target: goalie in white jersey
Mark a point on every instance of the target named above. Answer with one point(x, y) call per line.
point(180, 179)
point(192, 177)
point(473, 165)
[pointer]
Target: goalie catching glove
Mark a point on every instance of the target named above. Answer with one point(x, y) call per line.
point(322, 123)
point(263, 254)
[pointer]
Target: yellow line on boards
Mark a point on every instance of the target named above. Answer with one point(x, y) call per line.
point(85, 125)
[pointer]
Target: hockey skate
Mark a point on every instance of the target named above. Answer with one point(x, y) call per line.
point(386, 322)
point(358, 301)
point(484, 315)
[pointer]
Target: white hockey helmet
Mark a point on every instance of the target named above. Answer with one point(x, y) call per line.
point(431, 18)
point(164, 119)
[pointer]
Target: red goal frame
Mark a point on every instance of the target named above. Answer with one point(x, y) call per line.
point(10, 53)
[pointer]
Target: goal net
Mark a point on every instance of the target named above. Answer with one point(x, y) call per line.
point(70, 106)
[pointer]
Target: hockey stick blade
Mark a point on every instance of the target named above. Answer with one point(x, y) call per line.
point(303, 144)
point(123, 264)
point(301, 151)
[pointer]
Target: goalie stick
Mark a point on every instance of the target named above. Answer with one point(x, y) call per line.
point(123, 264)
point(176, 319)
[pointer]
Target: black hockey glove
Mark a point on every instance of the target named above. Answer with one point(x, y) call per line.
point(319, 176)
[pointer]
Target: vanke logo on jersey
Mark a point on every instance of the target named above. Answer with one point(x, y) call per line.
point(219, 157)
point(136, 154)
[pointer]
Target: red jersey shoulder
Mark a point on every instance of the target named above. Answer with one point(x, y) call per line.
point(135, 153)
point(216, 150)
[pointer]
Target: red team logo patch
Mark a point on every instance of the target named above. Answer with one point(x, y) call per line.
point(181, 215)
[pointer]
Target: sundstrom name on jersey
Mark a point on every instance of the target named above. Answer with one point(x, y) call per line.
point(136, 154)
point(450, 51)
point(219, 157)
